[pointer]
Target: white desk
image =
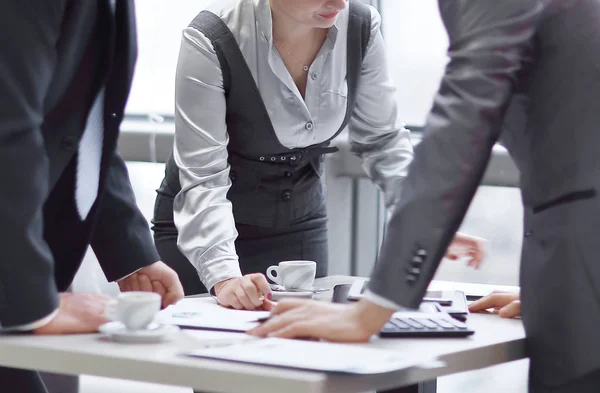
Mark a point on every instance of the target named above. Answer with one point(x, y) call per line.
point(496, 341)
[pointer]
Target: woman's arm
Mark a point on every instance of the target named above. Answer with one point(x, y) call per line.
point(202, 213)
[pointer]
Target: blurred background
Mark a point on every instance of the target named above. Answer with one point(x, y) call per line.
point(416, 44)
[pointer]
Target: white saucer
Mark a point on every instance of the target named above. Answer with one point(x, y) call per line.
point(156, 332)
point(278, 295)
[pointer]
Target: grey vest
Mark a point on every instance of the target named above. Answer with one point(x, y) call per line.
point(272, 186)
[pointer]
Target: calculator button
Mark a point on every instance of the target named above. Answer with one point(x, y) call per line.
point(429, 323)
point(456, 323)
point(399, 324)
point(389, 328)
point(443, 323)
point(414, 324)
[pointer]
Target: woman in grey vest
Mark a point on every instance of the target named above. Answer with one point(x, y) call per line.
point(261, 89)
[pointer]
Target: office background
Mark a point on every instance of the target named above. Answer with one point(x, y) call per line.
point(416, 44)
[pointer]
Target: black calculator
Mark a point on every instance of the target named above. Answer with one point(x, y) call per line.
point(415, 324)
point(425, 326)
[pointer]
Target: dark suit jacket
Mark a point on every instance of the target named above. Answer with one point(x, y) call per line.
point(54, 57)
point(541, 59)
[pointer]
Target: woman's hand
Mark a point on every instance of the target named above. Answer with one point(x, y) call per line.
point(243, 293)
point(507, 304)
point(467, 246)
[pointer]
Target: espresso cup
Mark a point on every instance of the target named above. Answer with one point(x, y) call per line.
point(293, 274)
point(135, 310)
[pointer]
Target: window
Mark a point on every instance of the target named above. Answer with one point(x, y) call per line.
point(416, 43)
point(159, 26)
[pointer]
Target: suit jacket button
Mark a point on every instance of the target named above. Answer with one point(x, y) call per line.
point(232, 176)
point(417, 261)
point(286, 195)
point(68, 143)
point(410, 279)
point(415, 271)
point(288, 174)
point(528, 233)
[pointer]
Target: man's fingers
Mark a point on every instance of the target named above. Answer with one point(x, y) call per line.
point(294, 330)
point(170, 281)
point(261, 283)
point(124, 285)
point(134, 281)
point(493, 300)
point(145, 283)
point(489, 301)
point(170, 298)
point(273, 325)
point(158, 287)
point(286, 305)
point(512, 310)
point(268, 305)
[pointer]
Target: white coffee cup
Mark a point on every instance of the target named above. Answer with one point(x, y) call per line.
point(135, 310)
point(293, 274)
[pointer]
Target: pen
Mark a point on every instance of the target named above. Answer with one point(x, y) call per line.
point(262, 319)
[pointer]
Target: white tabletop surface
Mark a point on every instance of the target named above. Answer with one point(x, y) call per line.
point(496, 341)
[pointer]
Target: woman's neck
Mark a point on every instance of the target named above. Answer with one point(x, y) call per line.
point(288, 30)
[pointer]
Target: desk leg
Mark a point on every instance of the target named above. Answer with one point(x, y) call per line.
point(423, 387)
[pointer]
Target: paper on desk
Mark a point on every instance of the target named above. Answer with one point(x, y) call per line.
point(205, 313)
point(311, 355)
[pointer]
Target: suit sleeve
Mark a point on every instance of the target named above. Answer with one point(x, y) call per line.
point(121, 239)
point(29, 31)
point(489, 43)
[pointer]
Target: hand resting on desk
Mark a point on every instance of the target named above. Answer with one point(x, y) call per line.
point(507, 304)
point(158, 278)
point(243, 293)
point(333, 322)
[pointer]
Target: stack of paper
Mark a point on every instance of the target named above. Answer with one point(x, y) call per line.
point(313, 355)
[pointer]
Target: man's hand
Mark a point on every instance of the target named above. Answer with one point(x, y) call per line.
point(77, 313)
point(243, 293)
point(158, 278)
point(321, 320)
point(507, 304)
point(467, 246)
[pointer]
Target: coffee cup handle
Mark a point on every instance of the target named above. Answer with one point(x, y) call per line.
point(270, 271)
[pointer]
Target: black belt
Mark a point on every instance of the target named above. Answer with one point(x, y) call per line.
point(296, 156)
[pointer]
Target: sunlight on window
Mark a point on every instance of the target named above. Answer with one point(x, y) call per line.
point(159, 26)
point(416, 44)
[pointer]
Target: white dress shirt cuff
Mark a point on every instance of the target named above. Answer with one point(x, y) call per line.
point(124, 277)
point(33, 325)
point(221, 271)
point(380, 301)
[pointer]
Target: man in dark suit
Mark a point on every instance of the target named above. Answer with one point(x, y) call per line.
point(65, 73)
point(534, 67)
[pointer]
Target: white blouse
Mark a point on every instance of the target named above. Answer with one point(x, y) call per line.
point(202, 213)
